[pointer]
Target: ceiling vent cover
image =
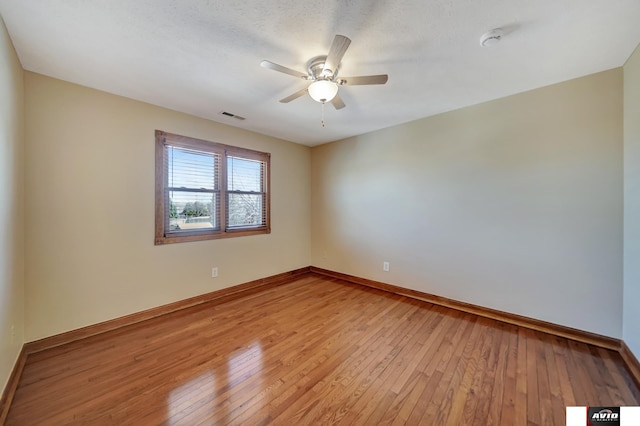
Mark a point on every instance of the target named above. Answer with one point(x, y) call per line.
point(231, 115)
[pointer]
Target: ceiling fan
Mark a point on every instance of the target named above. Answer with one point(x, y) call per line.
point(323, 72)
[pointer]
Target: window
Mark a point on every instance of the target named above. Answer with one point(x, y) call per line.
point(207, 190)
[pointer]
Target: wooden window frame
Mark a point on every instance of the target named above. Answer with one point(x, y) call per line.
point(162, 233)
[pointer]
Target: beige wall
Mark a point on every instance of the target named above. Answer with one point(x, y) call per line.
point(90, 210)
point(631, 320)
point(514, 204)
point(11, 206)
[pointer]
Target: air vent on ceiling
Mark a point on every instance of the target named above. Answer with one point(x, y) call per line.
point(228, 114)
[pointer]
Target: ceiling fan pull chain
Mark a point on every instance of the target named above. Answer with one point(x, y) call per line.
point(322, 119)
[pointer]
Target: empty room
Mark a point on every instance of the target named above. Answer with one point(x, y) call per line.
point(332, 212)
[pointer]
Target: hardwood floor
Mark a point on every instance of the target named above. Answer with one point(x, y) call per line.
point(318, 351)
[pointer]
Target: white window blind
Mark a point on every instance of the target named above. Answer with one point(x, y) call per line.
point(193, 189)
point(246, 192)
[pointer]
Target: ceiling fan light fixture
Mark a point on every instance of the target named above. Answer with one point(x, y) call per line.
point(323, 90)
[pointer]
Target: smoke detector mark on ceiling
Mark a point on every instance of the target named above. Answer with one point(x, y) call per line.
point(491, 38)
point(230, 115)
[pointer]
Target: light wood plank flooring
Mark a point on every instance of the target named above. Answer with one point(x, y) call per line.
point(318, 351)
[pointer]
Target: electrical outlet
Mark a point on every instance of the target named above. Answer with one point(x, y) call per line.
point(214, 272)
point(385, 266)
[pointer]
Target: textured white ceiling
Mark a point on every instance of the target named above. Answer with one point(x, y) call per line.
point(202, 57)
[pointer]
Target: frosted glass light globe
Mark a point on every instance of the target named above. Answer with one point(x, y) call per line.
point(323, 90)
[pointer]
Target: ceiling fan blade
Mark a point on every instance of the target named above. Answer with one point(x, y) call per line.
point(294, 96)
point(336, 52)
point(337, 102)
point(276, 67)
point(364, 79)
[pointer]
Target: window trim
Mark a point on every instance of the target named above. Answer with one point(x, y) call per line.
point(161, 182)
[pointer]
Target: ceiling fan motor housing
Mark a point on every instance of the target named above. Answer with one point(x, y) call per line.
point(315, 67)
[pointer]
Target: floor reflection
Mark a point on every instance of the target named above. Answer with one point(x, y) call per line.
point(245, 360)
point(182, 399)
point(197, 397)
